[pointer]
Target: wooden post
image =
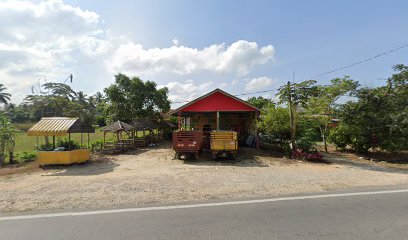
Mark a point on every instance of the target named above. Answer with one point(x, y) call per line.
point(69, 140)
point(53, 141)
point(179, 120)
point(81, 139)
point(104, 139)
point(218, 120)
point(88, 140)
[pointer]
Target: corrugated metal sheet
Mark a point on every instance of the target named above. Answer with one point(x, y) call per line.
point(52, 126)
point(214, 101)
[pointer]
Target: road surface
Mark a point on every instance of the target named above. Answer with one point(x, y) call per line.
point(374, 214)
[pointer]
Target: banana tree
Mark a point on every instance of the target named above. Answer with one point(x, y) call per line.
point(6, 139)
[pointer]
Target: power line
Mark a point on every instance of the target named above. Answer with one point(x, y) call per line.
point(359, 62)
point(328, 72)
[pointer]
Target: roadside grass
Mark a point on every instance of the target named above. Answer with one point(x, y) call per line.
point(379, 158)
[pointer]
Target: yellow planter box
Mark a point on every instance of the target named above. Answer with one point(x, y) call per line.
point(63, 157)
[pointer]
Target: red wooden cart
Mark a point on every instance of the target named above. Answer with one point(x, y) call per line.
point(188, 142)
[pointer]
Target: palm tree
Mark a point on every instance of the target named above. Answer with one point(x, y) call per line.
point(98, 97)
point(4, 97)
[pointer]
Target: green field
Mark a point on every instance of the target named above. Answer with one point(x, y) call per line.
point(26, 143)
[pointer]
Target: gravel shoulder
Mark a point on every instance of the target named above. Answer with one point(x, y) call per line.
point(151, 176)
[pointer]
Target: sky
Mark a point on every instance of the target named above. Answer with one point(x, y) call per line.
point(193, 47)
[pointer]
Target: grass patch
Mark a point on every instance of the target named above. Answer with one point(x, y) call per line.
point(26, 143)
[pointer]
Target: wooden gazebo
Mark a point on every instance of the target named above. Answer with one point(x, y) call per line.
point(146, 124)
point(118, 128)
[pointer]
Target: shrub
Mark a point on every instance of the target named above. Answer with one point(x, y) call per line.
point(339, 136)
point(305, 144)
point(45, 147)
point(68, 144)
point(100, 120)
point(27, 156)
point(96, 145)
point(357, 138)
point(314, 156)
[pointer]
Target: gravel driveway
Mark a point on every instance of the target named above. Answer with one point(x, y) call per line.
point(151, 176)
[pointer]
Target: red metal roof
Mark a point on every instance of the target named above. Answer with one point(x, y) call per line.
point(217, 100)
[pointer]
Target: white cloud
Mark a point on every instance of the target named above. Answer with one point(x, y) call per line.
point(260, 83)
point(175, 42)
point(186, 91)
point(223, 85)
point(53, 39)
point(45, 39)
point(238, 58)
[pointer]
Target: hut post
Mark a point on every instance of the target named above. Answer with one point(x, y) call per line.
point(133, 137)
point(38, 143)
point(69, 140)
point(218, 120)
point(104, 139)
point(88, 139)
point(144, 138)
point(179, 120)
point(53, 141)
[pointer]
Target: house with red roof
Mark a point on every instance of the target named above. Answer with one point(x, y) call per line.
point(219, 110)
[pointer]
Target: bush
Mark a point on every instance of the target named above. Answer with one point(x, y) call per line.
point(45, 147)
point(314, 156)
point(100, 120)
point(27, 156)
point(339, 136)
point(305, 144)
point(96, 145)
point(344, 135)
point(68, 144)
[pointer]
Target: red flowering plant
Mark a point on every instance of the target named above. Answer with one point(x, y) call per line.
point(313, 156)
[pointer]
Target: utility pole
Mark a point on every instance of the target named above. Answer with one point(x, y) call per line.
point(291, 118)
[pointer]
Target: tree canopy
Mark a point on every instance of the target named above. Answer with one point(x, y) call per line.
point(260, 102)
point(130, 98)
point(379, 117)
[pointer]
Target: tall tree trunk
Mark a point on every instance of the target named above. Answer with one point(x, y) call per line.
point(11, 151)
point(2, 155)
point(11, 157)
point(323, 132)
point(325, 137)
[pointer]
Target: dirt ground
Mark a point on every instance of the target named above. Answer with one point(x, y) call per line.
point(151, 176)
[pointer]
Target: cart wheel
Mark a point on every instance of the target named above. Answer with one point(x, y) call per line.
point(214, 156)
point(197, 156)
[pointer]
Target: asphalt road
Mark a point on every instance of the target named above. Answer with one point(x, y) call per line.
point(383, 215)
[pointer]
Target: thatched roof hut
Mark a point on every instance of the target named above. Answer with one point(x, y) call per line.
point(167, 124)
point(144, 124)
point(118, 126)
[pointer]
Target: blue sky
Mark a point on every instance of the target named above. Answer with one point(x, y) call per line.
point(308, 37)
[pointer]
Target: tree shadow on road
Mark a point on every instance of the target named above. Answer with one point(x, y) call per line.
point(244, 158)
point(93, 167)
point(362, 165)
